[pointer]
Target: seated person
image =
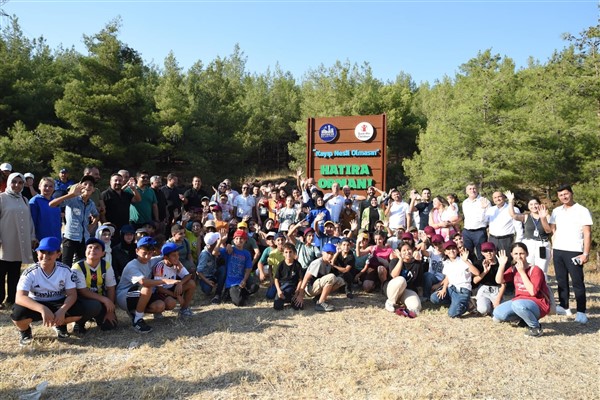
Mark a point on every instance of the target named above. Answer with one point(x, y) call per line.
point(375, 272)
point(46, 292)
point(96, 286)
point(343, 265)
point(531, 301)
point(184, 247)
point(319, 281)
point(238, 264)
point(288, 279)
point(181, 292)
point(456, 286)
point(433, 278)
point(124, 251)
point(275, 257)
point(136, 291)
point(210, 274)
point(489, 294)
point(397, 290)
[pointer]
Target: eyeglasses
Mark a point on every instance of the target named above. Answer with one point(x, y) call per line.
point(144, 177)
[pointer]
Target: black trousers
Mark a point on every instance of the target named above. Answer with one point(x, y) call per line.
point(563, 266)
point(12, 271)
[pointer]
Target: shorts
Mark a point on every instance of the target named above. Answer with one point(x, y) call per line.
point(20, 313)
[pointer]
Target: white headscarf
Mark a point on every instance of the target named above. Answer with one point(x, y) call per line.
point(9, 181)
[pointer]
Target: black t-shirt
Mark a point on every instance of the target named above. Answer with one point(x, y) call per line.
point(288, 275)
point(173, 200)
point(194, 198)
point(424, 210)
point(341, 261)
point(489, 278)
point(117, 206)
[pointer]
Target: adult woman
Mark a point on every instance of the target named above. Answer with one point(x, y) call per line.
point(442, 218)
point(46, 220)
point(531, 301)
point(407, 276)
point(371, 215)
point(17, 236)
point(536, 229)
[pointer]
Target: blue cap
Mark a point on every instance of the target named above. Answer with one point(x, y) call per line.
point(49, 244)
point(146, 241)
point(328, 248)
point(127, 229)
point(279, 235)
point(169, 247)
point(93, 240)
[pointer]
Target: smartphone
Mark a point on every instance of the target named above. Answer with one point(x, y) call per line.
point(542, 252)
point(576, 260)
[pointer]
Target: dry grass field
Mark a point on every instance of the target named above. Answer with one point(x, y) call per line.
point(360, 351)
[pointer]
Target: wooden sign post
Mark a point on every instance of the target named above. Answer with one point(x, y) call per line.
point(347, 150)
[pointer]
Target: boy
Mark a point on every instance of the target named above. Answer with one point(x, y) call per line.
point(183, 247)
point(171, 268)
point(136, 291)
point(287, 279)
point(344, 265)
point(239, 266)
point(210, 275)
point(96, 284)
point(46, 292)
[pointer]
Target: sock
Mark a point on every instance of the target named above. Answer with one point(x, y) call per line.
point(138, 316)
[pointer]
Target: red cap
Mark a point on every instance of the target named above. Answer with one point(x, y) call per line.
point(240, 233)
point(429, 230)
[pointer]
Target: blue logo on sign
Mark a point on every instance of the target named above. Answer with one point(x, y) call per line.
point(328, 133)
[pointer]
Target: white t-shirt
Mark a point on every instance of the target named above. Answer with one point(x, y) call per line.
point(500, 221)
point(244, 205)
point(569, 227)
point(108, 278)
point(334, 205)
point(474, 212)
point(397, 215)
point(163, 271)
point(458, 273)
point(42, 287)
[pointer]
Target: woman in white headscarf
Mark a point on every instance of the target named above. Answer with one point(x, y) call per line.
point(17, 236)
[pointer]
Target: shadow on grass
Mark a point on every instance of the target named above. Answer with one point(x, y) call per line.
point(147, 387)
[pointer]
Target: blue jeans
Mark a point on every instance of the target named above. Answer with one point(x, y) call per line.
point(458, 299)
point(271, 292)
point(473, 240)
point(512, 310)
point(429, 280)
point(219, 280)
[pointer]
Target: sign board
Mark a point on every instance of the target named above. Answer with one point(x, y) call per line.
point(348, 150)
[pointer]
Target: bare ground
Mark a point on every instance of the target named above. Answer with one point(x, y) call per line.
point(360, 351)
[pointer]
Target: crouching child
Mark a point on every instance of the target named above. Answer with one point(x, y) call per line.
point(182, 292)
point(287, 279)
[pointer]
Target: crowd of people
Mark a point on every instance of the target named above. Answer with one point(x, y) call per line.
point(146, 247)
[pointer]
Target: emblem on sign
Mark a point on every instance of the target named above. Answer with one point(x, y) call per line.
point(364, 131)
point(328, 133)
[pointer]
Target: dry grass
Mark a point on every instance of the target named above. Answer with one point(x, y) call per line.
point(359, 351)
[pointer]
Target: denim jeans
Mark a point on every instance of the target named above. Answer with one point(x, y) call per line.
point(526, 310)
point(219, 279)
point(458, 299)
point(473, 240)
point(429, 280)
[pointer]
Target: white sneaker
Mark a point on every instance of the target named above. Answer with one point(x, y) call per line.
point(389, 306)
point(496, 320)
point(562, 311)
point(581, 318)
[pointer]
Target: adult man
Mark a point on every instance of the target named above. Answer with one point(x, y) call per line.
point(319, 281)
point(96, 283)
point(424, 206)
point(397, 211)
point(475, 225)
point(173, 197)
point(62, 184)
point(117, 201)
point(46, 292)
point(244, 205)
point(161, 202)
point(78, 210)
point(145, 210)
point(334, 202)
point(502, 227)
point(571, 224)
point(193, 196)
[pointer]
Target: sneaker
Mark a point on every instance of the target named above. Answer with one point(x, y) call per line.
point(186, 312)
point(496, 320)
point(158, 315)
point(535, 332)
point(79, 329)
point(349, 295)
point(562, 311)
point(389, 306)
point(26, 337)
point(324, 307)
point(401, 312)
point(216, 300)
point(61, 332)
point(141, 326)
point(581, 318)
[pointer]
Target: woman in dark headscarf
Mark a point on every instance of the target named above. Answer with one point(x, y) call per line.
point(17, 236)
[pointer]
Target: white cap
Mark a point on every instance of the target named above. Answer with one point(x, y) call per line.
point(211, 238)
point(5, 167)
point(29, 175)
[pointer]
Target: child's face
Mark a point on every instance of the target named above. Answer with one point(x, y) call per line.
point(128, 238)
point(144, 254)
point(93, 252)
point(172, 258)
point(106, 236)
point(279, 243)
point(451, 252)
point(289, 255)
point(178, 236)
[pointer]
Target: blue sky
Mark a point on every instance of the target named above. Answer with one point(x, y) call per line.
point(426, 39)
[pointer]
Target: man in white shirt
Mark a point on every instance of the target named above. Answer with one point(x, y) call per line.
point(244, 205)
point(502, 227)
point(571, 225)
point(334, 202)
point(475, 224)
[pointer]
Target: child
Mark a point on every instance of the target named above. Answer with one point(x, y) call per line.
point(489, 294)
point(456, 286)
point(171, 268)
point(287, 279)
point(210, 275)
point(183, 247)
point(432, 279)
point(105, 233)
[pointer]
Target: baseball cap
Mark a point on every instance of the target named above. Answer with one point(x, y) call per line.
point(329, 223)
point(429, 230)
point(328, 248)
point(63, 170)
point(88, 178)
point(168, 248)
point(210, 224)
point(488, 246)
point(240, 233)
point(204, 198)
point(94, 240)
point(437, 239)
point(407, 236)
point(279, 235)
point(29, 175)
point(449, 244)
point(127, 229)
point(308, 230)
point(213, 203)
point(347, 201)
point(5, 167)
point(270, 234)
point(49, 244)
point(211, 238)
point(146, 241)
point(217, 208)
point(242, 225)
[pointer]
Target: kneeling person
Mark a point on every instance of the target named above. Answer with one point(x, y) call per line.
point(238, 266)
point(46, 292)
point(96, 287)
point(287, 279)
point(171, 268)
point(319, 281)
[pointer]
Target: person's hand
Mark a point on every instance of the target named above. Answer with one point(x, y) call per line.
point(320, 216)
point(178, 289)
point(413, 194)
point(110, 317)
point(186, 216)
point(299, 172)
point(353, 225)
point(261, 276)
point(502, 258)
point(181, 197)
point(464, 254)
point(59, 317)
point(442, 292)
point(486, 266)
point(543, 211)
point(282, 184)
point(280, 294)
point(229, 249)
point(212, 283)
point(170, 281)
point(510, 196)
point(47, 317)
point(484, 202)
point(520, 266)
point(78, 189)
point(109, 305)
point(583, 258)
point(223, 232)
point(34, 244)
point(243, 283)
point(298, 298)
